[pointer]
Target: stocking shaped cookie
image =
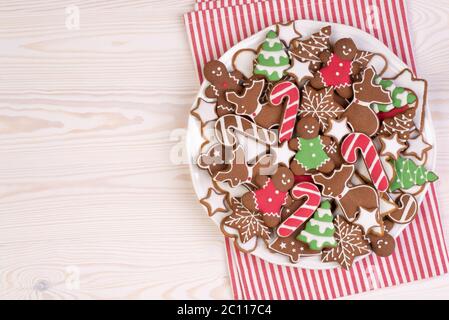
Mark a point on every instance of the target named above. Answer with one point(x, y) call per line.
point(338, 69)
point(311, 146)
point(221, 81)
point(272, 195)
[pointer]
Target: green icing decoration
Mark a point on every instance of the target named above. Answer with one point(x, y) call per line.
point(272, 60)
point(274, 47)
point(272, 34)
point(400, 96)
point(311, 153)
point(409, 174)
point(319, 230)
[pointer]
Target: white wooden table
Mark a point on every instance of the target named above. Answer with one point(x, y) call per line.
point(90, 206)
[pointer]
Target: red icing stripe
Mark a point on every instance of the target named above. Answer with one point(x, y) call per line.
point(390, 114)
point(304, 178)
point(360, 141)
point(302, 214)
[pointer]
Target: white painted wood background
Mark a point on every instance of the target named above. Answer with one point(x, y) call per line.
point(90, 206)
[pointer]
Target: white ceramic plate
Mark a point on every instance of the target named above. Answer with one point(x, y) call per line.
point(364, 41)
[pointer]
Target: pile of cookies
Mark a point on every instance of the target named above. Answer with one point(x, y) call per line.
point(309, 149)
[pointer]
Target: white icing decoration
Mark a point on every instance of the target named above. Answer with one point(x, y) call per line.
point(368, 219)
point(323, 212)
point(319, 239)
point(417, 146)
point(272, 41)
point(283, 154)
point(277, 55)
point(322, 226)
point(270, 70)
point(287, 32)
point(339, 129)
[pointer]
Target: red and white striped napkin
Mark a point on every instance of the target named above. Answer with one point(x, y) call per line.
point(421, 249)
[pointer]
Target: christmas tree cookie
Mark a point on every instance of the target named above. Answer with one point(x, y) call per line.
point(310, 49)
point(408, 174)
point(272, 59)
point(319, 231)
point(401, 96)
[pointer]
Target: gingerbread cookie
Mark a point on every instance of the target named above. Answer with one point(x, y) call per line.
point(370, 220)
point(310, 49)
point(272, 59)
point(407, 79)
point(338, 129)
point(349, 198)
point(292, 248)
point(221, 81)
point(338, 69)
point(229, 125)
point(215, 201)
point(408, 174)
point(243, 62)
point(402, 124)
point(288, 91)
point(406, 211)
point(283, 154)
point(249, 225)
point(391, 146)
point(401, 97)
point(312, 196)
point(239, 172)
point(321, 105)
point(204, 111)
point(351, 243)
point(287, 32)
point(319, 230)
point(248, 103)
point(273, 193)
point(300, 71)
point(215, 159)
point(382, 245)
point(359, 113)
point(417, 147)
point(355, 142)
point(311, 154)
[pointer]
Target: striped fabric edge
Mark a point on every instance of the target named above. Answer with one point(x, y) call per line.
point(415, 261)
point(248, 19)
point(267, 281)
point(215, 4)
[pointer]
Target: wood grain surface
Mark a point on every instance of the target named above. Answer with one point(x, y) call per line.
point(91, 205)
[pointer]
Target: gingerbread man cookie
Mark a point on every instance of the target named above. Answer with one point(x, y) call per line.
point(311, 146)
point(338, 69)
point(222, 81)
point(272, 195)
